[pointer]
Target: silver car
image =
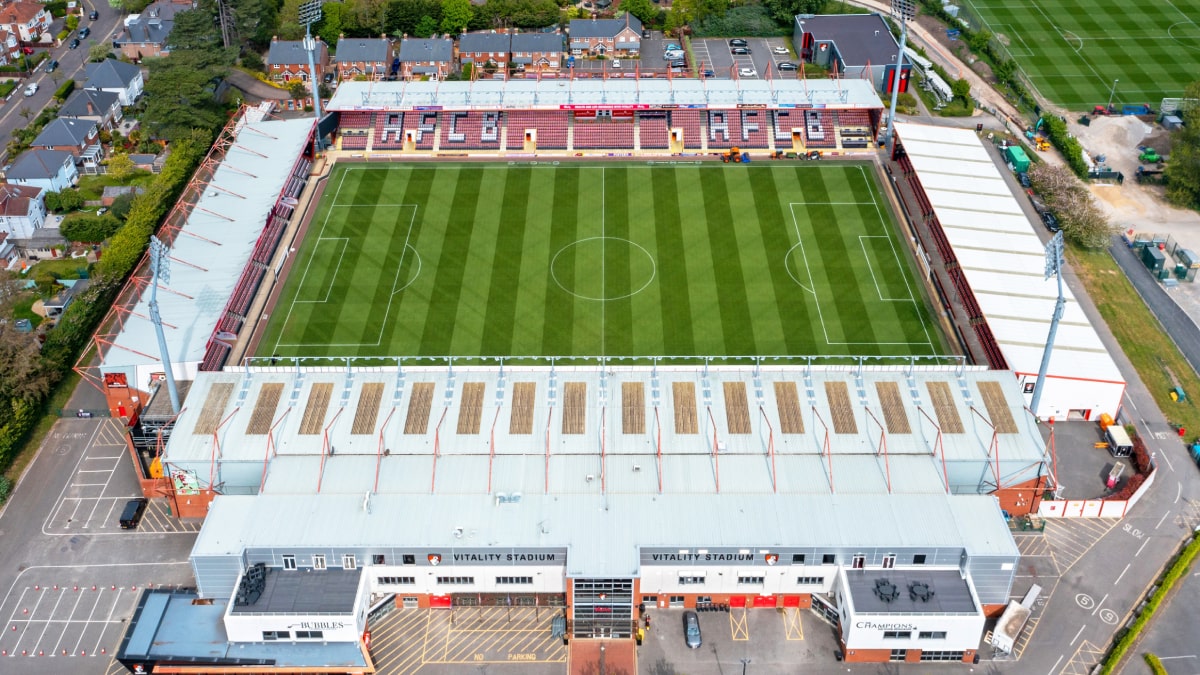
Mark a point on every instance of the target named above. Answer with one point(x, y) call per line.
point(691, 629)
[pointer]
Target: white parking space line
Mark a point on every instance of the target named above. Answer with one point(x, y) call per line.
point(62, 625)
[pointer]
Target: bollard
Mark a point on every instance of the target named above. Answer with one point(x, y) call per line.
point(64, 652)
point(93, 587)
point(56, 587)
point(83, 652)
point(77, 588)
point(133, 587)
point(37, 588)
point(25, 610)
point(103, 650)
point(41, 652)
point(3, 652)
point(114, 587)
point(14, 627)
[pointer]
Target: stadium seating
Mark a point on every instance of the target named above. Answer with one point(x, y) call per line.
point(214, 356)
point(472, 131)
point(692, 123)
point(389, 131)
point(426, 130)
point(551, 128)
point(785, 121)
point(653, 130)
point(356, 120)
point(724, 128)
point(603, 133)
point(354, 141)
point(818, 129)
point(854, 128)
point(755, 129)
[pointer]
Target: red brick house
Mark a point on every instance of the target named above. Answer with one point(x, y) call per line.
point(287, 60)
point(27, 20)
point(426, 57)
point(481, 49)
point(537, 51)
point(606, 37)
point(362, 56)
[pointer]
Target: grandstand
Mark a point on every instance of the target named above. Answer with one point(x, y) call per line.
point(675, 116)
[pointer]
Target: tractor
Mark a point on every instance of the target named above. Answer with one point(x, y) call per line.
point(1103, 110)
point(1149, 156)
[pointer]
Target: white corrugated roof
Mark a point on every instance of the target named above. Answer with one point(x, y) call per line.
point(1003, 260)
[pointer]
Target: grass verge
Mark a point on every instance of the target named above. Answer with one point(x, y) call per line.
point(1158, 361)
point(58, 400)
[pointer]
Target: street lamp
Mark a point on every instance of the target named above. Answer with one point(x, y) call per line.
point(1112, 93)
point(902, 11)
point(160, 266)
point(310, 13)
point(1054, 263)
point(745, 662)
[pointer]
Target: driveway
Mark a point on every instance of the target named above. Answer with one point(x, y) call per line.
point(255, 89)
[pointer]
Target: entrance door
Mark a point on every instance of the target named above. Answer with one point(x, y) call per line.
point(602, 608)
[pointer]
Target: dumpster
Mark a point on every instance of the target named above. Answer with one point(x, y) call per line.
point(1016, 156)
point(1153, 258)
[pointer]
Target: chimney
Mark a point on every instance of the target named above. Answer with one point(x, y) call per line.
point(90, 108)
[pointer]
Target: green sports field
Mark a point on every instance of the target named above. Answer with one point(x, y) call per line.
point(619, 260)
point(1074, 49)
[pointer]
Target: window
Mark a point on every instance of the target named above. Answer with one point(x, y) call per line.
point(289, 562)
point(941, 656)
point(397, 581)
point(691, 581)
point(828, 559)
point(318, 561)
point(857, 562)
point(348, 561)
point(456, 581)
point(797, 558)
point(409, 559)
point(676, 602)
point(897, 634)
point(932, 635)
point(514, 580)
point(310, 635)
point(919, 559)
point(889, 561)
point(650, 599)
point(378, 559)
point(703, 599)
point(751, 580)
point(898, 655)
point(810, 581)
point(270, 635)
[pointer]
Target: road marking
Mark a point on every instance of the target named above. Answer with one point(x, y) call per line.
point(1160, 520)
point(1099, 604)
point(1168, 658)
point(1167, 457)
point(1178, 491)
point(1139, 551)
point(1055, 666)
point(1077, 634)
point(1122, 574)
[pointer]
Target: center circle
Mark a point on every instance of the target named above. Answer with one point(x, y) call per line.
point(1186, 33)
point(603, 268)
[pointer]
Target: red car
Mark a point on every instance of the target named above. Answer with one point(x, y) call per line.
point(27, 50)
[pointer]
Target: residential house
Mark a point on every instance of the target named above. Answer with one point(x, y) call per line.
point(22, 210)
point(146, 34)
point(27, 20)
point(482, 49)
point(537, 51)
point(362, 56)
point(606, 37)
point(51, 170)
point(288, 60)
point(8, 253)
point(426, 57)
point(94, 105)
point(123, 79)
point(10, 47)
point(79, 137)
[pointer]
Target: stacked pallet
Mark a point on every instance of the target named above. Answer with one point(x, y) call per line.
point(264, 409)
point(943, 407)
point(368, 408)
point(317, 407)
point(521, 421)
point(471, 410)
point(419, 403)
point(840, 408)
point(787, 400)
point(684, 396)
point(737, 410)
point(893, 408)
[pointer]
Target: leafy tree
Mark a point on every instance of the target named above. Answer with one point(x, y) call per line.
point(1082, 220)
point(120, 205)
point(22, 376)
point(1183, 170)
point(90, 229)
point(181, 93)
point(195, 30)
point(99, 52)
point(329, 28)
point(456, 16)
point(425, 27)
point(298, 89)
point(644, 10)
point(364, 18)
point(784, 11)
point(961, 89)
point(67, 200)
point(120, 166)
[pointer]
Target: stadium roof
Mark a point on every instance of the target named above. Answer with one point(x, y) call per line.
point(633, 430)
point(445, 523)
point(1002, 257)
point(860, 39)
point(213, 247)
point(616, 93)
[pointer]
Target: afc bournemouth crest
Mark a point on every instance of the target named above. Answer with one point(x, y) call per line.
point(771, 558)
point(435, 559)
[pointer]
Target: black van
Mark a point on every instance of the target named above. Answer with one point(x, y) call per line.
point(132, 515)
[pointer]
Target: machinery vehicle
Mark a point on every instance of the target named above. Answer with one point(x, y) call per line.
point(1149, 155)
point(1102, 110)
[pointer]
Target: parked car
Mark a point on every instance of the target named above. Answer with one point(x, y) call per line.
point(84, 32)
point(738, 42)
point(329, 77)
point(1051, 222)
point(132, 513)
point(748, 72)
point(93, 15)
point(739, 50)
point(708, 73)
point(787, 65)
point(52, 66)
point(31, 89)
point(780, 50)
point(74, 44)
point(691, 629)
point(1023, 178)
point(673, 54)
point(679, 63)
point(672, 47)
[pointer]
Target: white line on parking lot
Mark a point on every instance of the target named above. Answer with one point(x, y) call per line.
point(1168, 658)
point(1160, 520)
point(1055, 666)
point(1099, 604)
point(1077, 634)
point(1166, 457)
point(78, 597)
point(1139, 551)
point(1127, 565)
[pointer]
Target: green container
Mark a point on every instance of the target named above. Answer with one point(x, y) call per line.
point(1153, 259)
point(1016, 156)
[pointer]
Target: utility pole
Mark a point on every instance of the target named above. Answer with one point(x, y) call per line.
point(160, 265)
point(902, 11)
point(1054, 261)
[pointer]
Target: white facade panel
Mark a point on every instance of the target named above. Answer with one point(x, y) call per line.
point(961, 633)
point(482, 579)
point(719, 580)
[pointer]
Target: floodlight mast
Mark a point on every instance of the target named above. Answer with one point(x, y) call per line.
point(902, 11)
point(1054, 252)
point(310, 13)
point(160, 265)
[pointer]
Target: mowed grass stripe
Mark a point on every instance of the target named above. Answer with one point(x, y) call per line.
point(736, 323)
point(509, 243)
point(558, 330)
point(452, 264)
point(745, 189)
point(775, 229)
point(672, 281)
point(533, 289)
point(701, 261)
point(644, 282)
point(618, 312)
point(409, 306)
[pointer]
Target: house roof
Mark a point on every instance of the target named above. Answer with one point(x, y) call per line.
point(426, 49)
point(35, 164)
point(292, 53)
point(604, 28)
point(20, 12)
point(859, 38)
point(484, 42)
point(110, 74)
point(65, 131)
point(14, 199)
point(77, 103)
point(537, 42)
point(351, 50)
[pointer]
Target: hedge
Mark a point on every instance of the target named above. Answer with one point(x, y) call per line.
point(64, 90)
point(7, 87)
point(1068, 145)
point(1177, 570)
point(1155, 664)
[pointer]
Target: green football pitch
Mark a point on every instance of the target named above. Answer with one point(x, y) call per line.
point(1074, 50)
point(581, 260)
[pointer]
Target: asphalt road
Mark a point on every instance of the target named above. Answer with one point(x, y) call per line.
point(1175, 321)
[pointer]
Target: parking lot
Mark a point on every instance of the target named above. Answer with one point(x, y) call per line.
point(714, 54)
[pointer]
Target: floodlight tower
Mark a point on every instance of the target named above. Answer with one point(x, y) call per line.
point(902, 11)
point(160, 265)
point(1054, 250)
point(310, 13)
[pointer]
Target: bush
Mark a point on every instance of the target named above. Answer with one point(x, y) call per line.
point(90, 229)
point(62, 35)
point(747, 20)
point(67, 200)
point(1068, 145)
point(7, 87)
point(57, 9)
point(64, 90)
point(72, 22)
point(1155, 664)
point(5, 488)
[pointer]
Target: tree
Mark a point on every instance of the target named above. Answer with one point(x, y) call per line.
point(298, 89)
point(99, 52)
point(962, 91)
point(69, 199)
point(22, 376)
point(644, 10)
point(403, 16)
point(181, 93)
point(1183, 171)
point(456, 16)
point(425, 27)
point(785, 11)
point(195, 30)
point(330, 28)
point(1082, 220)
point(120, 166)
point(25, 112)
point(90, 229)
point(120, 206)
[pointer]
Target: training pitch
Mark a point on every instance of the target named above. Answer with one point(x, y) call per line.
point(1074, 50)
point(619, 260)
